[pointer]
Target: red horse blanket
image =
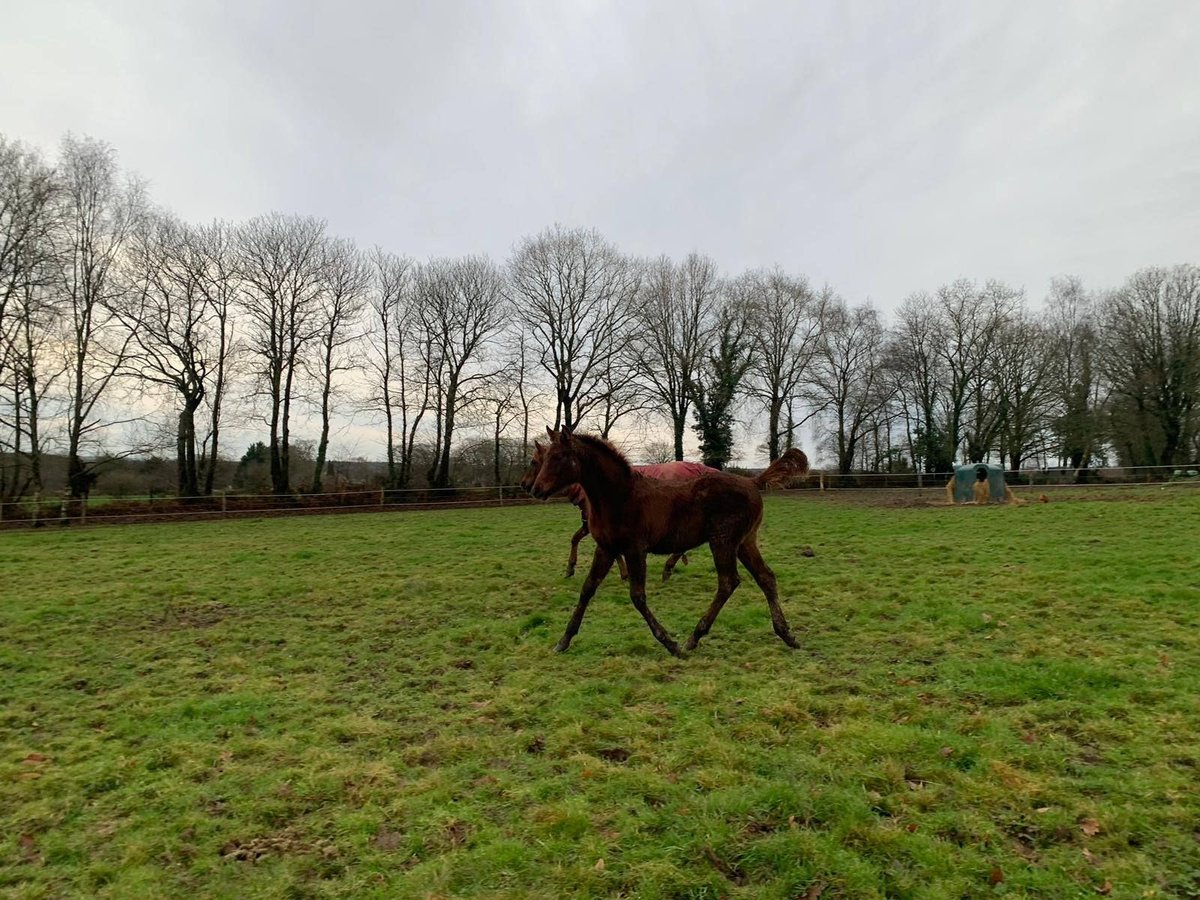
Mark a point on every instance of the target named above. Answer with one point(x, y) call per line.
point(675, 471)
point(672, 471)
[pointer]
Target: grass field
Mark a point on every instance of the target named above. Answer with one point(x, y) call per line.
point(989, 701)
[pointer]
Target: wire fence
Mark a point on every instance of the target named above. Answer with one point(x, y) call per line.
point(1112, 476)
point(38, 511)
point(45, 510)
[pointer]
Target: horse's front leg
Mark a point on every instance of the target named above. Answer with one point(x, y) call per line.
point(601, 562)
point(579, 536)
point(637, 593)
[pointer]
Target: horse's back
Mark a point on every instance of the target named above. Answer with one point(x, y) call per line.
point(680, 515)
point(680, 470)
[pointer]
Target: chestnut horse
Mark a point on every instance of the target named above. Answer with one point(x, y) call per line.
point(670, 471)
point(632, 515)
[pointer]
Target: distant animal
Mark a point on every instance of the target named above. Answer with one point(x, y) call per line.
point(632, 515)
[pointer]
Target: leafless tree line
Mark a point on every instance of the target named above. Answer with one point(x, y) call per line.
point(113, 311)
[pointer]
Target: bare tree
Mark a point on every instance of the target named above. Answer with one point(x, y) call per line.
point(673, 320)
point(503, 409)
point(848, 378)
point(509, 398)
point(1151, 358)
point(174, 339)
point(1021, 353)
point(279, 260)
point(29, 193)
point(460, 309)
point(788, 316)
point(620, 393)
point(33, 369)
point(942, 368)
point(574, 293)
point(215, 257)
point(528, 393)
point(1073, 370)
point(917, 370)
point(390, 290)
point(971, 318)
point(100, 212)
point(345, 276)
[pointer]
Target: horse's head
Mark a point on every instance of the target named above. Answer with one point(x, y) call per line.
point(534, 465)
point(559, 465)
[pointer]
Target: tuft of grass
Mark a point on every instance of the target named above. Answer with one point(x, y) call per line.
point(993, 700)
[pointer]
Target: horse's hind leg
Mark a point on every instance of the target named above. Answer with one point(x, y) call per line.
point(637, 593)
point(727, 582)
point(601, 563)
point(579, 536)
point(753, 561)
point(669, 567)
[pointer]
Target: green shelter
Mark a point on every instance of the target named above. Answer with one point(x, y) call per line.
point(965, 478)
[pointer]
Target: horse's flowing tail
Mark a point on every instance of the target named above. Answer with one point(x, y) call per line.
point(792, 464)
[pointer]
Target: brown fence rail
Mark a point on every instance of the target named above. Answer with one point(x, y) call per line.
point(122, 510)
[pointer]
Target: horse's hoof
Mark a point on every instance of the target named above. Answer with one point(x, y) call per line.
point(676, 652)
point(790, 641)
point(691, 643)
point(561, 647)
point(667, 575)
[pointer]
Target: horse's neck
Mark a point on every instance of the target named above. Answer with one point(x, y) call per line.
point(607, 481)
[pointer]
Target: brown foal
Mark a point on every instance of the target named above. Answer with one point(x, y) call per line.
point(578, 498)
point(632, 515)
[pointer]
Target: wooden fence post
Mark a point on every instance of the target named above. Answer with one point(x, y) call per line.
point(381, 493)
point(83, 511)
point(223, 506)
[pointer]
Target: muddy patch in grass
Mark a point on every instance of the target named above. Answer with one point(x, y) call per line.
point(282, 843)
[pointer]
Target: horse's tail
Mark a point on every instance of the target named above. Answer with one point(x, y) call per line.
point(792, 464)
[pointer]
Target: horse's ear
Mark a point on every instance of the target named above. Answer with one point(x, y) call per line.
point(537, 445)
point(564, 436)
point(550, 432)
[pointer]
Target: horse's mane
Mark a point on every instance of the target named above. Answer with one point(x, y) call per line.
point(604, 447)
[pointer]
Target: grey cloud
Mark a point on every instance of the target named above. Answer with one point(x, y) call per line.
point(880, 147)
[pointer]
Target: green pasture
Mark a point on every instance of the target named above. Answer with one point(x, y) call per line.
point(989, 701)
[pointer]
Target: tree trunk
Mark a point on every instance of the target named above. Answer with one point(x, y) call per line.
point(323, 443)
point(496, 450)
point(773, 414)
point(187, 482)
point(442, 478)
point(285, 476)
point(210, 469)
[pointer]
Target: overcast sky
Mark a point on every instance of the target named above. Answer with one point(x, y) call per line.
point(880, 147)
